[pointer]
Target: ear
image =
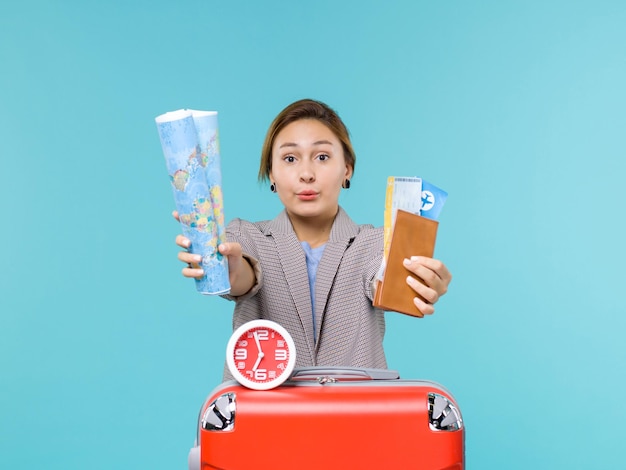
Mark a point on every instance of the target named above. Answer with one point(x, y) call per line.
point(349, 171)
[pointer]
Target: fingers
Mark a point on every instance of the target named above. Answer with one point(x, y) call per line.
point(432, 272)
point(429, 279)
point(189, 258)
point(234, 254)
point(192, 261)
point(192, 272)
point(192, 268)
point(230, 249)
point(183, 241)
point(424, 307)
point(425, 297)
point(426, 265)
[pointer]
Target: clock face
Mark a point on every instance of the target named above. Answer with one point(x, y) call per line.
point(261, 354)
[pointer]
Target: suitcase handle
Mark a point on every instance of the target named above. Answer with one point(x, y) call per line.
point(342, 374)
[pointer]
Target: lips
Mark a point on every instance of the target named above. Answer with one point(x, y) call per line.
point(307, 195)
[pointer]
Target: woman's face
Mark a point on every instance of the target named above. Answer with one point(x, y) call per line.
point(308, 169)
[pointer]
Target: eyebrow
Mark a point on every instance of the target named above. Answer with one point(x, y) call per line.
point(293, 144)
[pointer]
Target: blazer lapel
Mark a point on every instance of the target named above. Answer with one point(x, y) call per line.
point(293, 262)
point(342, 234)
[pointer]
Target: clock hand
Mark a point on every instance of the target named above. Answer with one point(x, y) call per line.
point(258, 361)
point(258, 343)
point(260, 356)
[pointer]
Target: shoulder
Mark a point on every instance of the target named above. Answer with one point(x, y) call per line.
point(279, 225)
point(369, 237)
point(250, 235)
point(367, 231)
point(241, 226)
point(345, 227)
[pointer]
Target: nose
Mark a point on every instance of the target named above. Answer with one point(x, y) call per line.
point(307, 175)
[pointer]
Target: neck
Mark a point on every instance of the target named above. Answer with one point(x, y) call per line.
point(313, 230)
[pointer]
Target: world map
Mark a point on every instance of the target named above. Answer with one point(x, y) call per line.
point(191, 149)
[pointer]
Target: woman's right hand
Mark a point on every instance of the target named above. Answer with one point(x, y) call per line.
point(192, 262)
point(240, 273)
point(192, 267)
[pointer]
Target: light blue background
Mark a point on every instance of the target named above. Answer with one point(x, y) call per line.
point(516, 108)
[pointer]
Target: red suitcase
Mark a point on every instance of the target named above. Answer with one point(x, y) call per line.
point(331, 418)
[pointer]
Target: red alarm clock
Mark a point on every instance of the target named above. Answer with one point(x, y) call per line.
point(261, 354)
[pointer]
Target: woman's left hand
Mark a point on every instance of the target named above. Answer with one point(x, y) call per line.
point(435, 279)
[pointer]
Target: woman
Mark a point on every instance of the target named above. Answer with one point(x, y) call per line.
point(311, 269)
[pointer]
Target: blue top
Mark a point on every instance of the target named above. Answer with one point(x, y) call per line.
point(313, 257)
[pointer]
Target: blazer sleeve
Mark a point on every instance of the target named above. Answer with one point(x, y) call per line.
point(375, 240)
point(238, 231)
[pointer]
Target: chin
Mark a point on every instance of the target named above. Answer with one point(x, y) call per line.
point(313, 211)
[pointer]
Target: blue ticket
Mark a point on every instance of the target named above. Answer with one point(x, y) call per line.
point(433, 199)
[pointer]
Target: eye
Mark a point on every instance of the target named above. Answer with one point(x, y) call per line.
point(323, 157)
point(289, 158)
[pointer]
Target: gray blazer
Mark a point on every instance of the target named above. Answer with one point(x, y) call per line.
point(349, 329)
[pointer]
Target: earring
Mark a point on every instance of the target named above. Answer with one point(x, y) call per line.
point(346, 184)
point(273, 187)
